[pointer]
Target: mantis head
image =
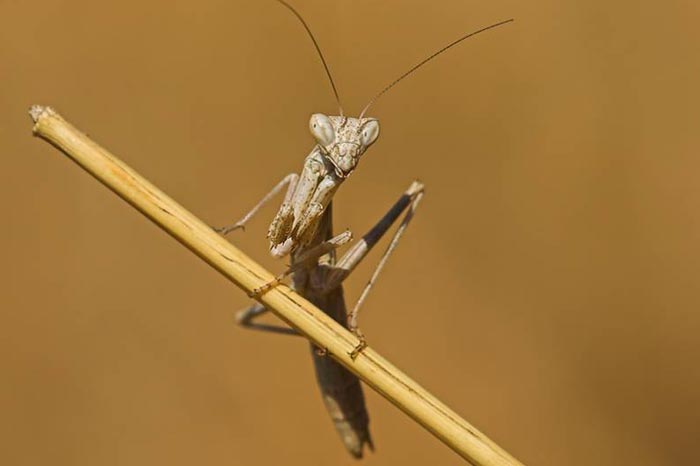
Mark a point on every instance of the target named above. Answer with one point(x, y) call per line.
point(343, 139)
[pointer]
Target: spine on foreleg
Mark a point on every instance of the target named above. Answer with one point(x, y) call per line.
point(342, 394)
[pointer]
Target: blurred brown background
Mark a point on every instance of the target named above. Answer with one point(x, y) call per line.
point(548, 289)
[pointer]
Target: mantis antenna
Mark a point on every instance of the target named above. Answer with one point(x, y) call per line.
point(318, 49)
point(414, 68)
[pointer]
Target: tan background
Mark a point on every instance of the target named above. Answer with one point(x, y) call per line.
point(548, 289)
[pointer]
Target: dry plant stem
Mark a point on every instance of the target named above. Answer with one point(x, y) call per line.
point(378, 373)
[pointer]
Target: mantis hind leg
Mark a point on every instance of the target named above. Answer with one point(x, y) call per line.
point(246, 317)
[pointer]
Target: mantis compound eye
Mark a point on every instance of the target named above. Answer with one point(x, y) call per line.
point(322, 129)
point(370, 132)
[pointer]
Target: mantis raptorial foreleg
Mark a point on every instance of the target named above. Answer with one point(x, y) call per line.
point(305, 259)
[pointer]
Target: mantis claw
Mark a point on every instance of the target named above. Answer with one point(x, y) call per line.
point(257, 292)
point(359, 348)
point(228, 229)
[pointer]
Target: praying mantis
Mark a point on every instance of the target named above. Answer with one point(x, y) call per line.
point(302, 229)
